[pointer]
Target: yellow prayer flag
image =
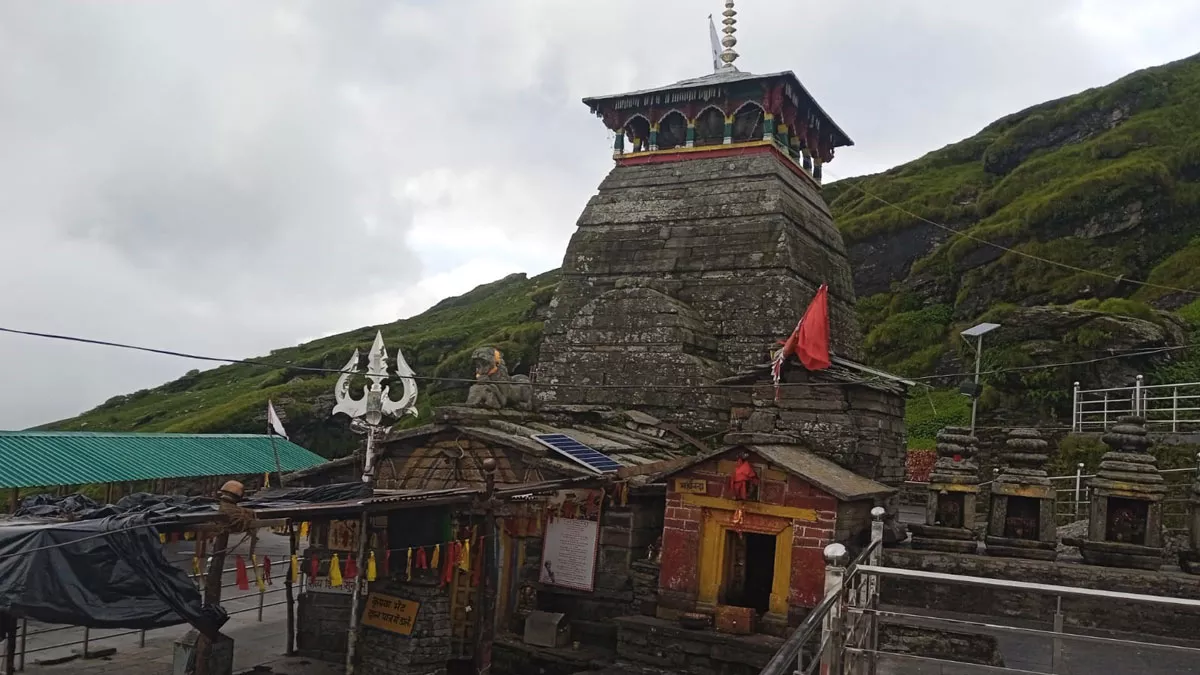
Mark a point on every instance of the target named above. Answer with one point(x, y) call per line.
point(465, 560)
point(304, 530)
point(371, 567)
point(162, 538)
point(295, 569)
point(335, 571)
point(437, 555)
point(196, 565)
point(408, 567)
point(258, 580)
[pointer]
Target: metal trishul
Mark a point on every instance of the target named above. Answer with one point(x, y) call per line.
point(375, 396)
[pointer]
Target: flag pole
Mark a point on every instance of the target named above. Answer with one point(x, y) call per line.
point(274, 448)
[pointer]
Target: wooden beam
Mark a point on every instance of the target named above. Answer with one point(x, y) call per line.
point(792, 513)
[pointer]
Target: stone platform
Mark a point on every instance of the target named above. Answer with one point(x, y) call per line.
point(664, 644)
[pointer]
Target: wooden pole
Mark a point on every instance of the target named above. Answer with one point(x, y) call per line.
point(108, 493)
point(287, 589)
point(14, 500)
point(489, 576)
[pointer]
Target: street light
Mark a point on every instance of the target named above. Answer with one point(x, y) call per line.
point(972, 388)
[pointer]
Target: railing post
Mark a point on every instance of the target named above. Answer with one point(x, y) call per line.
point(1076, 413)
point(1078, 486)
point(142, 639)
point(832, 632)
point(87, 636)
point(21, 654)
point(872, 604)
point(1137, 397)
point(1105, 422)
point(1056, 666)
point(1174, 409)
point(260, 605)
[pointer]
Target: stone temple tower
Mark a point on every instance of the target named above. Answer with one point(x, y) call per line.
point(702, 248)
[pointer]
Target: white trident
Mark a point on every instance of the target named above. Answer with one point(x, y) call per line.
point(375, 402)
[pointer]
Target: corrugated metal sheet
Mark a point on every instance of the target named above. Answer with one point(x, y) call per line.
point(45, 458)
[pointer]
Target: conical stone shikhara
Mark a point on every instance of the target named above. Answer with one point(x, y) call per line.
point(953, 488)
point(1125, 524)
point(1021, 521)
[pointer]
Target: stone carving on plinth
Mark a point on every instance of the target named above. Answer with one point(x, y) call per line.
point(494, 387)
point(1189, 560)
point(1021, 521)
point(1125, 518)
point(953, 488)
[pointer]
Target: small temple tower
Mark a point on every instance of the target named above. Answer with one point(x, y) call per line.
point(953, 488)
point(1125, 524)
point(1189, 559)
point(1022, 522)
point(702, 248)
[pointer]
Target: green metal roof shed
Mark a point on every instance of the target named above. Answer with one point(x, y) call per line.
point(48, 458)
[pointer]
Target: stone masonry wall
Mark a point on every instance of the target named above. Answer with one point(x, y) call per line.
point(322, 620)
point(426, 651)
point(1099, 613)
point(681, 272)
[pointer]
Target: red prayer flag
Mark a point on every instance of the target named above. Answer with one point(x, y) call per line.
point(267, 569)
point(243, 580)
point(810, 341)
point(387, 562)
point(351, 568)
point(422, 562)
point(314, 568)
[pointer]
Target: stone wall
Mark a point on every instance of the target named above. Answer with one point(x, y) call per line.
point(645, 587)
point(1099, 613)
point(426, 651)
point(680, 272)
point(626, 532)
point(940, 644)
point(663, 644)
point(322, 620)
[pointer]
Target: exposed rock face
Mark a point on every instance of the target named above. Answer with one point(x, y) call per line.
point(684, 272)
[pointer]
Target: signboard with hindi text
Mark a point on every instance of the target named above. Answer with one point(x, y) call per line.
point(572, 537)
point(692, 486)
point(387, 612)
point(322, 585)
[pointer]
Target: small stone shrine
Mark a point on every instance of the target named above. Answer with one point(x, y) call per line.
point(1125, 524)
point(953, 488)
point(1022, 516)
point(1189, 560)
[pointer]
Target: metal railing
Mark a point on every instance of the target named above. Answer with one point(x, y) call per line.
point(1173, 408)
point(89, 639)
point(848, 621)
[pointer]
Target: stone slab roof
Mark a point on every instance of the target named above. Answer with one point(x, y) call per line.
point(797, 460)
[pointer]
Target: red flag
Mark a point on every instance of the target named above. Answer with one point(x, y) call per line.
point(810, 341)
point(267, 569)
point(351, 568)
point(243, 580)
point(422, 561)
point(314, 568)
point(387, 562)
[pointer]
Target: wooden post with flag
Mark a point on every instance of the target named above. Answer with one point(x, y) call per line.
point(809, 342)
point(274, 426)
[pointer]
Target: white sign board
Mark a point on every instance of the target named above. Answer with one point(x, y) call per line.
point(569, 553)
point(322, 585)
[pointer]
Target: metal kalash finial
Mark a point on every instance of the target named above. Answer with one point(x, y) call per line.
point(375, 402)
point(728, 55)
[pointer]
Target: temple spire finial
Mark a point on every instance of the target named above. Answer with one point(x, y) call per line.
point(728, 55)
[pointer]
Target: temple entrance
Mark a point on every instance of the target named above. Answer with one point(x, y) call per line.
point(750, 572)
point(1127, 521)
point(1023, 518)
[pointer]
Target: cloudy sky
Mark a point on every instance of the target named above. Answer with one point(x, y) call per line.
point(228, 177)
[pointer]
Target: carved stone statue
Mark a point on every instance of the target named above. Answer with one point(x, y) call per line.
point(494, 387)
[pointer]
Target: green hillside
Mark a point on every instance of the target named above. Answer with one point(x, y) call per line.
point(1107, 180)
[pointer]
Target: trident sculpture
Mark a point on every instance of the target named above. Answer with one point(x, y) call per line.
point(375, 402)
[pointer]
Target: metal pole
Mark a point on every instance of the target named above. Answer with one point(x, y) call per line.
point(1137, 396)
point(275, 451)
point(1105, 423)
point(24, 634)
point(142, 639)
point(487, 630)
point(261, 593)
point(831, 631)
point(1174, 409)
point(1057, 664)
point(1075, 411)
point(87, 635)
point(287, 590)
point(10, 644)
point(1078, 485)
point(356, 595)
point(975, 398)
point(873, 588)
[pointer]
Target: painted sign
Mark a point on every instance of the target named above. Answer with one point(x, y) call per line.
point(343, 535)
point(569, 553)
point(322, 585)
point(691, 486)
point(387, 612)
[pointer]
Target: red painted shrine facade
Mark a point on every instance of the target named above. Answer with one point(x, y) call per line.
point(758, 543)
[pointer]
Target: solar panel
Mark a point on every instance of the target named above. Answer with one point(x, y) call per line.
point(573, 449)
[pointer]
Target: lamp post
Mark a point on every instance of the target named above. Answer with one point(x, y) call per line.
point(371, 408)
point(976, 332)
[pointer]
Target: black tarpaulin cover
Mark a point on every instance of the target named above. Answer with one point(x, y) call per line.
point(101, 573)
point(106, 569)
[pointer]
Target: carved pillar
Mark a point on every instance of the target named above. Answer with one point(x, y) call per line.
point(728, 129)
point(768, 126)
point(654, 136)
point(691, 134)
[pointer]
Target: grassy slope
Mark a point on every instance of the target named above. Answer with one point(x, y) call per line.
point(1028, 181)
point(438, 342)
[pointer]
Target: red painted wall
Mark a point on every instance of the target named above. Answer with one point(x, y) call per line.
point(681, 530)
